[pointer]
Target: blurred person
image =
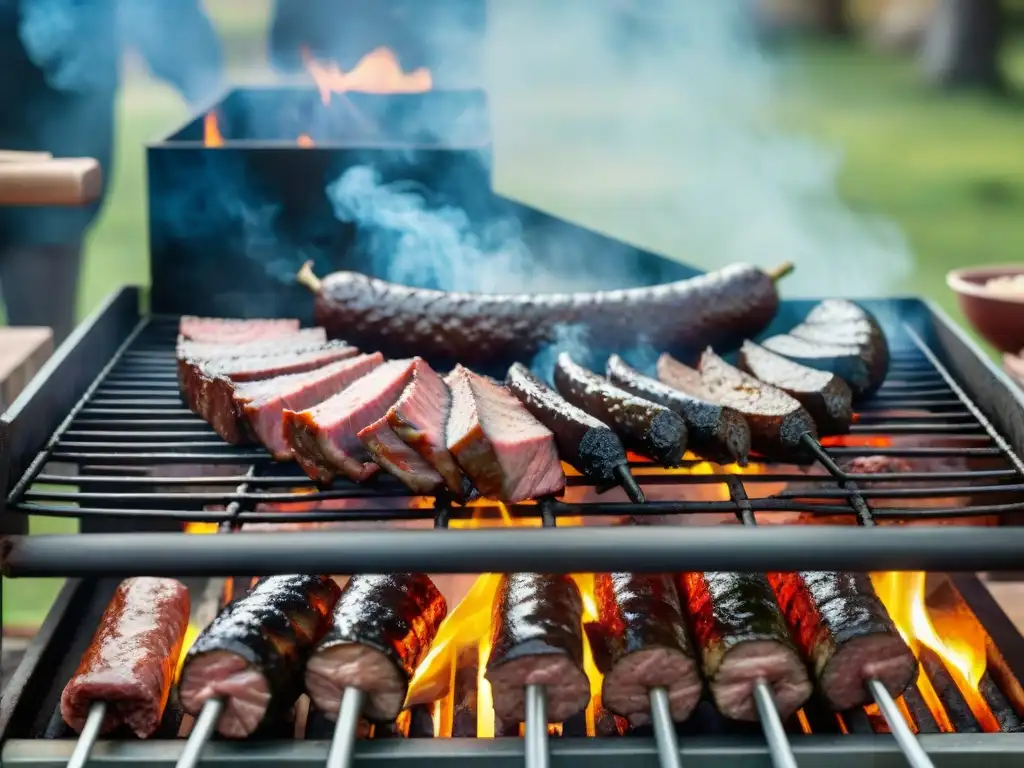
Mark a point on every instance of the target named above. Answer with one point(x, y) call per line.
point(59, 75)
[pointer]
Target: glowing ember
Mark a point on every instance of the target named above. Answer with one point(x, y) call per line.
point(377, 72)
point(211, 131)
point(304, 140)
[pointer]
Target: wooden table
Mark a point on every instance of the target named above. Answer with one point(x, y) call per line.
point(22, 353)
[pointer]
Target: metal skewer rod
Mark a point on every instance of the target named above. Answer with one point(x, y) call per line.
point(629, 484)
point(90, 732)
point(536, 728)
point(664, 729)
point(778, 745)
point(343, 744)
point(202, 730)
point(909, 745)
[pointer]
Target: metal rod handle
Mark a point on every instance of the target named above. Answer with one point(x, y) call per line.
point(778, 744)
point(911, 748)
point(343, 743)
point(202, 730)
point(90, 732)
point(536, 728)
point(664, 729)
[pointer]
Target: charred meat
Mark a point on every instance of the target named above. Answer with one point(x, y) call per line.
point(742, 637)
point(851, 363)
point(383, 627)
point(825, 396)
point(843, 628)
point(537, 639)
point(646, 637)
point(647, 428)
point(716, 432)
point(588, 445)
point(501, 447)
point(253, 654)
point(130, 662)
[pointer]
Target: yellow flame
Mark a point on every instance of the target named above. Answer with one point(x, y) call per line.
point(191, 633)
point(201, 528)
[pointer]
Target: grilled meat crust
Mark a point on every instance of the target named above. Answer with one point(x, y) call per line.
point(586, 444)
point(717, 308)
point(716, 432)
point(843, 628)
point(647, 428)
point(131, 659)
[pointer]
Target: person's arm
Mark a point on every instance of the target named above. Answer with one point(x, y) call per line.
point(178, 42)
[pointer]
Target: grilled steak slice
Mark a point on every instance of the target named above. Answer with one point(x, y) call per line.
point(186, 349)
point(262, 403)
point(419, 418)
point(226, 330)
point(856, 365)
point(842, 627)
point(537, 639)
point(825, 396)
point(647, 640)
point(383, 627)
point(502, 448)
point(717, 433)
point(130, 662)
point(388, 451)
point(742, 637)
point(647, 428)
point(588, 445)
point(213, 386)
point(776, 420)
point(325, 438)
point(253, 654)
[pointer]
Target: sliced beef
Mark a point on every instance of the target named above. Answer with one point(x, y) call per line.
point(855, 365)
point(212, 388)
point(262, 403)
point(419, 418)
point(825, 396)
point(395, 457)
point(187, 349)
point(325, 438)
point(229, 330)
point(502, 448)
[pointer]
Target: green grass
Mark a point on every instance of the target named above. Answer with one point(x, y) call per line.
point(947, 168)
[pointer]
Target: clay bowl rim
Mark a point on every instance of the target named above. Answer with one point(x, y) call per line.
point(962, 281)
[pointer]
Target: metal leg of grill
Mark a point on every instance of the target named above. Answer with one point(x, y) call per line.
point(771, 723)
point(664, 729)
point(343, 745)
point(87, 738)
point(203, 729)
point(916, 756)
point(536, 728)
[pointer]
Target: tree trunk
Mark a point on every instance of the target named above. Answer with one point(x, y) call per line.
point(831, 18)
point(962, 44)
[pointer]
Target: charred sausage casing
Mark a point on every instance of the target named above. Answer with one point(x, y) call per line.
point(382, 629)
point(253, 653)
point(720, 307)
point(131, 659)
point(648, 646)
point(537, 639)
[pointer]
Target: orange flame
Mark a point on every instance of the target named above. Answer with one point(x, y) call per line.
point(377, 72)
point(304, 140)
point(211, 131)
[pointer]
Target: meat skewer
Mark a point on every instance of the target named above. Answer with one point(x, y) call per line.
point(645, 427)
point(125, 675)
point(591, 447)
point(246, 666)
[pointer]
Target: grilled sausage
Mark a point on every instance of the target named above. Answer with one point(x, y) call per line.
point(716, 308)
point(648, 646)
point(383, 627)
point(537, 639)
point(131, 659)
point(742, 638)
point(842, 627)
point(716, 432)
point(776, 420)
point(861, 367)
point(825, 396)
point(647, 428)
point(252, 655)
point(586, 444)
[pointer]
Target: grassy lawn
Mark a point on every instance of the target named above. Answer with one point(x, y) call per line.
point(948, 169)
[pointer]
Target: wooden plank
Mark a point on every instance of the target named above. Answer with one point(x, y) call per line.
point(22, 353)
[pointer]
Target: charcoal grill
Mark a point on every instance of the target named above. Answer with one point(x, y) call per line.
point(106, 405)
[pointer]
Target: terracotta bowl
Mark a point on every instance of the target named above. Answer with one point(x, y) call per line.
point(999, 318)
